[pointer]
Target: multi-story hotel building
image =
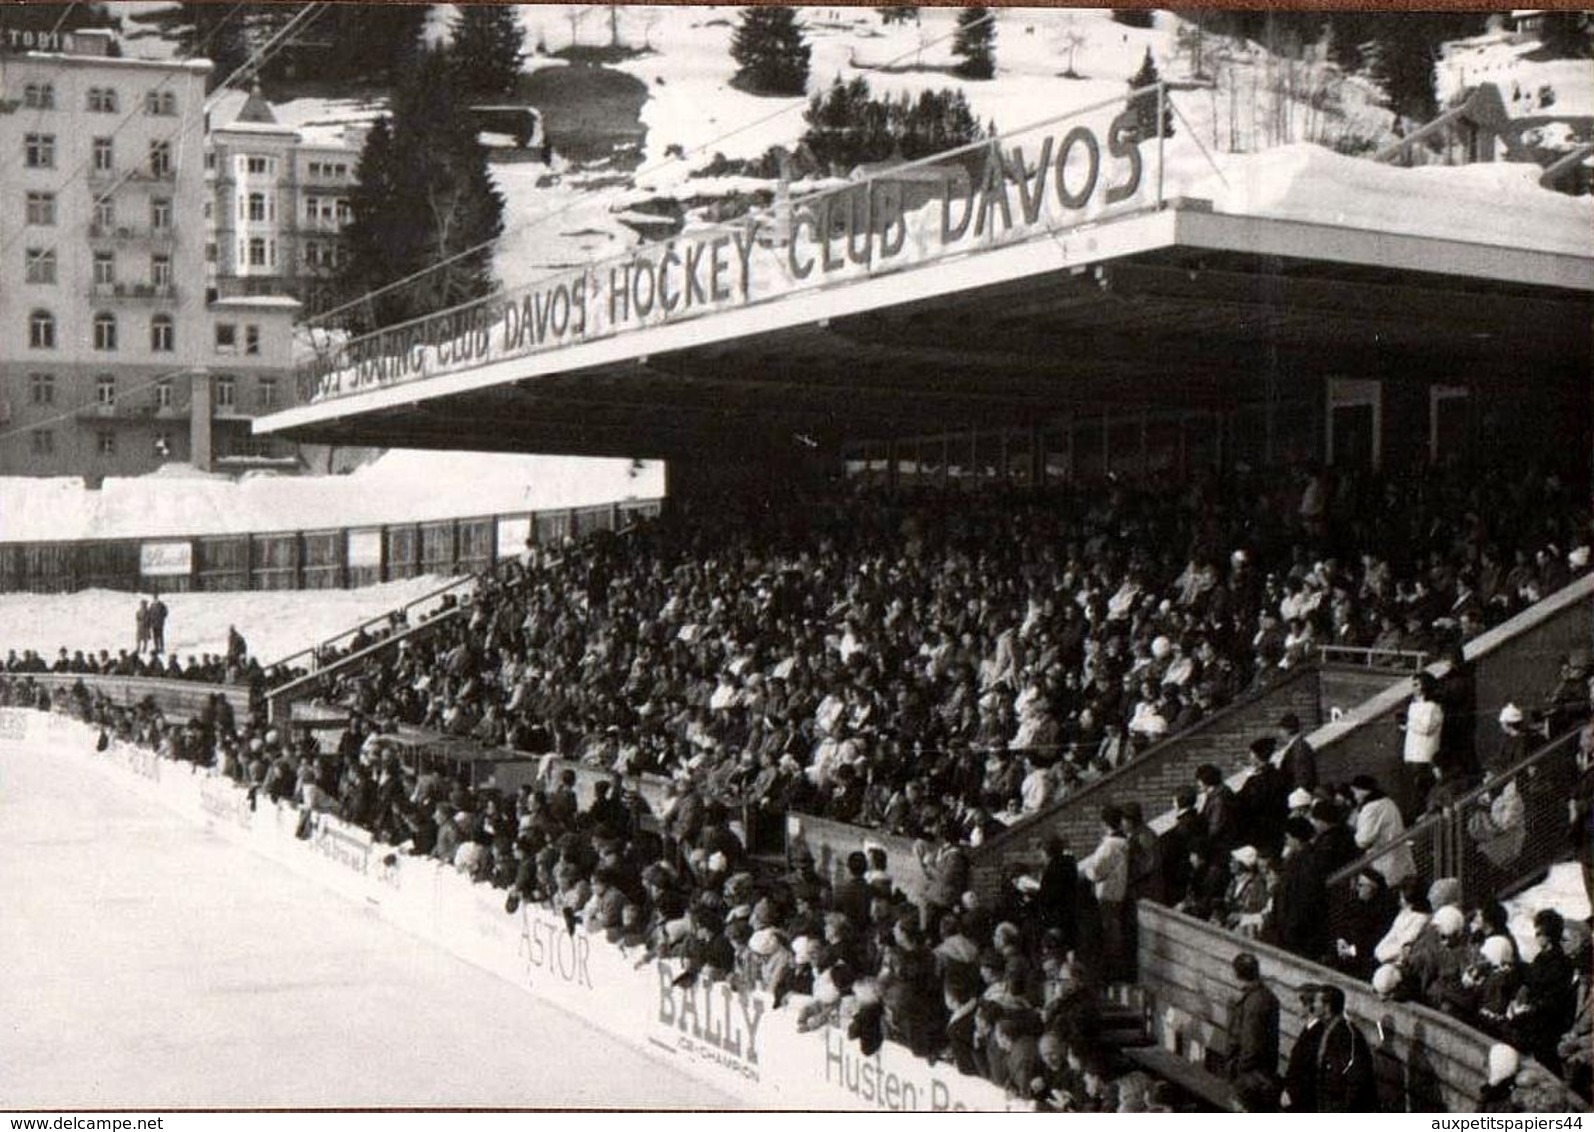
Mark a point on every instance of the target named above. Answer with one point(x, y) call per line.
point(280, 200)
point(115, 355)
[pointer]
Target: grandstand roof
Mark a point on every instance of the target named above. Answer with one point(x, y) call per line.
point(1179, 307)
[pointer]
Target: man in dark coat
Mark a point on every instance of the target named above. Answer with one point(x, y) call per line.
point(1296, 758)
point(1300, 903)
point(1300, 1076)
point(1263, 799)
point(1254, 1039)
point(1333, 843)
point(1187, 829)
point(1221, 810)
point(157, 624)
point(1547, 1002)
point(1058, 896)
point(1343, 1080)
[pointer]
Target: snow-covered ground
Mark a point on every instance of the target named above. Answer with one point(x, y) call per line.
point(151, 964)
point(401, 486)
point(275, 623)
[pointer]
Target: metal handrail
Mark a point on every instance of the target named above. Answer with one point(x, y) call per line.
point(1433, 823)
point(286, 693)
point(1406, 660)
point(313, 651)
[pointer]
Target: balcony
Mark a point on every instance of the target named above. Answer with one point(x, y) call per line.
point(132, 408)
point(138, 292)
point(147, 175)
point(131, 233)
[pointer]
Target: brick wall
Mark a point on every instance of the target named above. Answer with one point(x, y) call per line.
point(1343, 689)
point(1428, 1060)
point(1152, 779)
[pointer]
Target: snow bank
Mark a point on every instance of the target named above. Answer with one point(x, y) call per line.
point(275, 623)
point(401, 486)
point(1496, 203)
point(1562, 890)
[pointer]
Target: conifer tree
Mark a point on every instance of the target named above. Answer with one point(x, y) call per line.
point(424, 196)
point(489, 44)
point(1145, 105)
point(770, 52)
point(974, 43)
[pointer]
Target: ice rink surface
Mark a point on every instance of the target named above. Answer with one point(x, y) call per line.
point(148, 963)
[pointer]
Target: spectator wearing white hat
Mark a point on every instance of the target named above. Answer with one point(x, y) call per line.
point(1504, 1064)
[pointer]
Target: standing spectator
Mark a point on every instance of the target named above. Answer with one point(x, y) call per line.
point(1107, 868)
point(1263, 799)
point(1380, 826)
point(1145, 856)
point(1423, 727)
point(1343, 1081)
point(1458, 696)
point(1058, 896)
point(1253, 1039)
point(1547, 1002)
point(1296, 757)
point(1302, 897)
point(1220, 809)
point(157, 624)
point(237, 649)
point(141, 641)
point(1300, 1074)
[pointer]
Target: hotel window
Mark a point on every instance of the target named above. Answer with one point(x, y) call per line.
point(104, 334)
point(259, 165)
point(41, 265)
point(41, 330)
point(160, 214)
point(257, 251)
point(162, 334)
point(160, 158)
point(43, 442)
point(160, 271)
point(102, 100)
point(104, 269)
point(41, 388)
point(251, 339)
point(105, 213)
point(39, 96)
point(163, 394)
point(38, 151)
point(161, 102)
point(226, 338)
point(268, 393)
point(104, 155)
point(105, 390)
point(41, 209)
point(257, 206)
point(226, 392)
point(106, 443)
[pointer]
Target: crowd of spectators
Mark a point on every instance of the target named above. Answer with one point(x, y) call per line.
point(942, 666)
point(934, 667)
point(236, 667)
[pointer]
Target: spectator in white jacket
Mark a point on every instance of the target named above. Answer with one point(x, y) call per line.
point(1379, 824)
point(1413, 916)
point(1425, 720)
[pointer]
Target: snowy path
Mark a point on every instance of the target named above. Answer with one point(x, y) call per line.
point(149, 963)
